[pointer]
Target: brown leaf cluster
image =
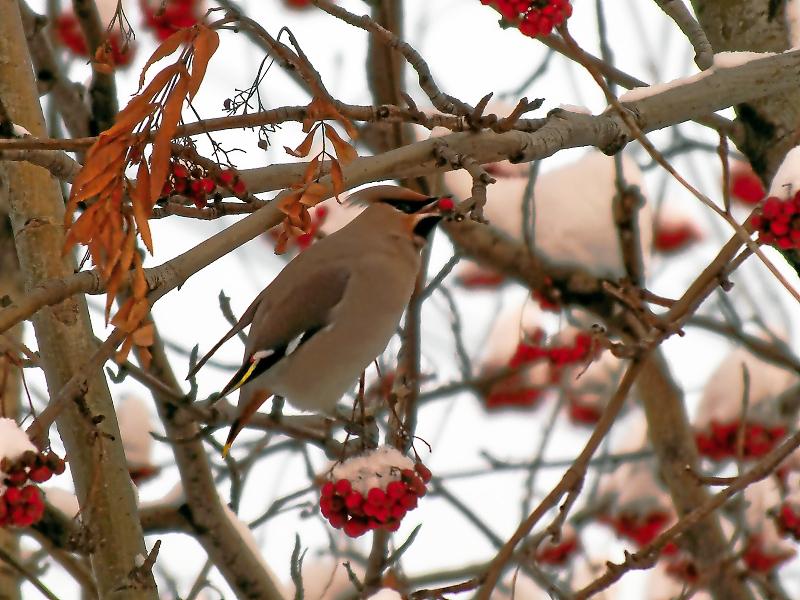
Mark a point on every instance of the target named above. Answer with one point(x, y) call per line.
point(116, 209)
point(295, 205)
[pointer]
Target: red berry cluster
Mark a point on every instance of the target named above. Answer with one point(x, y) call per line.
point(68, 33)
point(787, 520)
point(761, 559)
point(683, 569)
point(581, 413)
point(141, 474)
point(533, 17)
point(22, 505)
point(356, 513)
point(673, 238)
point(779, 224)
point(558, 356)
point(719, 441)
point(549, 553)
point(176, 15)
point(483, 279)
point(197, 183)
point(746, 187)
point(511, 392)
point(545, 303)
point(523, 397)
point(640, 529)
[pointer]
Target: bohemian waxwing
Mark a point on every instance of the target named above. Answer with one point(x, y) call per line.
point(333, 308)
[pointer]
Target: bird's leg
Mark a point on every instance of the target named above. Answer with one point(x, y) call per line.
point(276, 414)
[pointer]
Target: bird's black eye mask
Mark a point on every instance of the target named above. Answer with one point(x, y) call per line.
point(409, 206)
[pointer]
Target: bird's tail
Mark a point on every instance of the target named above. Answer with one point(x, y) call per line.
point(248, 409)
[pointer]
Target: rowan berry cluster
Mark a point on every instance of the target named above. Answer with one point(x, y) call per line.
point(198, 184)
point(68, 33)
point(176, 14)
point(745, 185)
point(21, 503)
point(557, 554)
point(558, 357)
point(787, 519)
point(720, 440)
point(582, 413)
point(760, 558)
point(639, 528)
point(533, 17)
point(668, 239)
point(378, 502)
point(779, 224)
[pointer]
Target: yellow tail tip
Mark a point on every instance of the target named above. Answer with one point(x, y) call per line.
point(225, 449)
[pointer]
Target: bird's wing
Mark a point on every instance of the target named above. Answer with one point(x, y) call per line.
point(284, 319)
point(291, 317)
point(297, 309)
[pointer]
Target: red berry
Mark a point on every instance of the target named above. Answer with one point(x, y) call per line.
point(376, 496)
point(13, 496)
point(343, 487)
point(18, 477)
point(409, 501)
point(392, 526)
point(398, 512)
point(40, 474)
point(353, 501)
point(180, 171)
point(226, 177)
point(446, 204)
point(355, 528)
point(239, 188)
point(395, 490)
point(327, 489)
point(337, 520)
point(326, 506)
point(207, 185)
point(423, 471)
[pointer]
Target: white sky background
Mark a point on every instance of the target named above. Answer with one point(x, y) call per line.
point(469, 56)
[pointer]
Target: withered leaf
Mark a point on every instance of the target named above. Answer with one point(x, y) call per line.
point(159, 159)
point(167, 47)
point(205, 45)
point(344, 151)
point(305, 146)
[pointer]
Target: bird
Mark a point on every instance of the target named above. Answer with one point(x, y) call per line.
point(333, 308)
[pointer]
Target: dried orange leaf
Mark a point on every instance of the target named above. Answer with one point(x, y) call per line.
point(145, 357)
point(305, 147)
point(123, 312)
point(138, 314)
point(337, 179)
point(313, 193)
point(145, 335)
point(139, 286)
point(344, 151)
point(311, 170)
point(140, 201)
point(205, 44)
point(136, 111)
point(288, 200)
point(159, 159)
point(122, 354)
point(320, 109)
point(167, 47)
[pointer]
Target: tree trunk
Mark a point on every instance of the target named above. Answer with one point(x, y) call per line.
point(88, 427)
